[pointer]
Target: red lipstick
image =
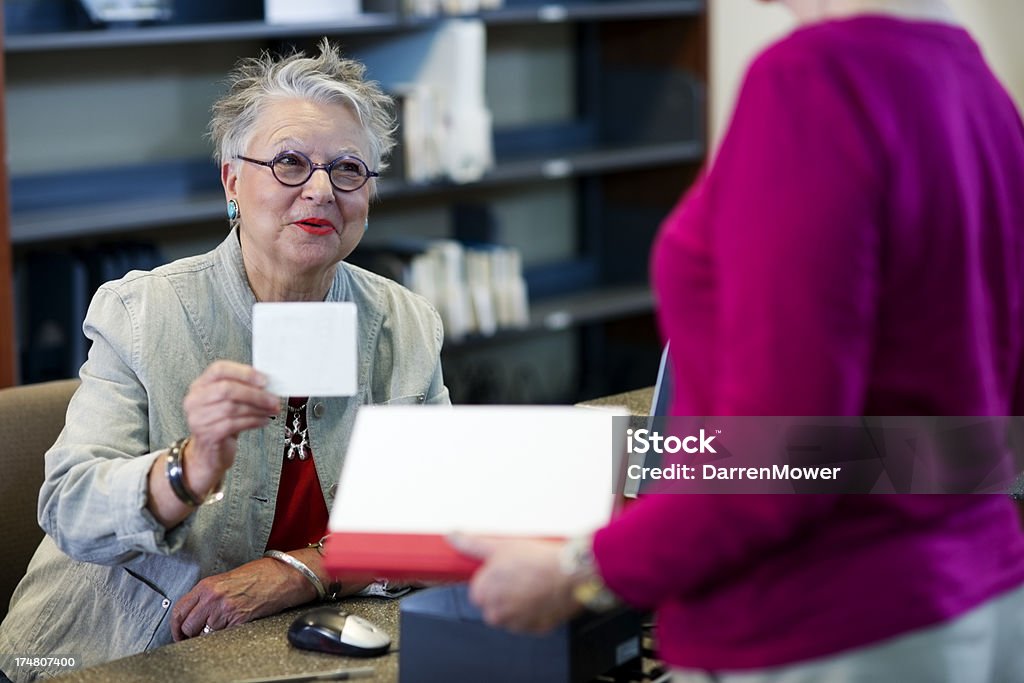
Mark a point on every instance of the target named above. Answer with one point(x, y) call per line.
point(315, 226)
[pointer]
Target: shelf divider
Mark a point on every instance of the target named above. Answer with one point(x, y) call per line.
point(6, 268)
point(42, 225)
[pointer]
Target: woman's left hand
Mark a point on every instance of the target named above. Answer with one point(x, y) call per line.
point(256, 589)
point(521, 585)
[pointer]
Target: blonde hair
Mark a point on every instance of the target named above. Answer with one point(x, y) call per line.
point(326, 79)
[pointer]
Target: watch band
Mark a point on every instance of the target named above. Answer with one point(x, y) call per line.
point(334, 587)
point(577, 561)
point(300, 567)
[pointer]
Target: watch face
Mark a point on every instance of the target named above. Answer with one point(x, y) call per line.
point(593, 594)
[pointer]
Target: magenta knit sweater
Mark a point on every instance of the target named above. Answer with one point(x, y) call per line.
point(857, 247)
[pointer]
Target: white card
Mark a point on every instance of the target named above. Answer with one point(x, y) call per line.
point(306, 348)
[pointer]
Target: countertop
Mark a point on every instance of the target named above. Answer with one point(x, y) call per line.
point(256, 650)
point(637, 402)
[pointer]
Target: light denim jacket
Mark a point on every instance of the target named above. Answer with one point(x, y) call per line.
point(103, 581)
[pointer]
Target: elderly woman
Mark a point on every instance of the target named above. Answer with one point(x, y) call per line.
point(169, 412)
point(856, 248)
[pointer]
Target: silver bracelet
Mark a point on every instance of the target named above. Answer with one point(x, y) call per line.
point(301, 567)
point(176, 474)
point(176, 478)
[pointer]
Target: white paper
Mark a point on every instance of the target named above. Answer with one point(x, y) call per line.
point(306, 348)
point(499, 470)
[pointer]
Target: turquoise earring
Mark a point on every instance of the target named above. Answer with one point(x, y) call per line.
point(366, 225)
point(233, 210)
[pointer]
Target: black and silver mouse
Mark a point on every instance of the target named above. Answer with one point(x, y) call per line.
point(330, 629)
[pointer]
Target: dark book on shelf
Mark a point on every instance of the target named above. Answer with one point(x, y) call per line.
point(56, 297)
point(671, 109)
point(56, 288)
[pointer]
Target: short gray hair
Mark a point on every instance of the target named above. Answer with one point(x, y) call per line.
point(326, 79)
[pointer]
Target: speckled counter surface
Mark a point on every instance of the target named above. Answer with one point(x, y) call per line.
point(256, 650)
point(260, 649)
point(636, 402)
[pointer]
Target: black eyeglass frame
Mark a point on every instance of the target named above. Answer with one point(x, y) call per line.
point(314, 167)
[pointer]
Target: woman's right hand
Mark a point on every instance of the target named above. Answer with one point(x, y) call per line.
point(226, 400)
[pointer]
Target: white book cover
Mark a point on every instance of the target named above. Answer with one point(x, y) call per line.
point(538, 471)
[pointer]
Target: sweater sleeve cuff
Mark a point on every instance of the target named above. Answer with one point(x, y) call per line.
point(609, 547)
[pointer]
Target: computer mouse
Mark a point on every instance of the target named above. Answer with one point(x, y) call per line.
point(333, 630)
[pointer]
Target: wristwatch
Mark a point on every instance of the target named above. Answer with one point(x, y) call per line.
point(334, 587)
point(588, 589)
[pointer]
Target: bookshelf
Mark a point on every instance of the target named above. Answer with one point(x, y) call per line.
point(594, 178)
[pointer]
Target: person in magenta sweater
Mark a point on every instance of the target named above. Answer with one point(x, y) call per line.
point(856, 248)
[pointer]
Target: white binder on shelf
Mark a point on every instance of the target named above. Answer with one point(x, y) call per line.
point(309, 11)
point(476, 290)
point(440, 73)
point(478, 281)
point(421, 8)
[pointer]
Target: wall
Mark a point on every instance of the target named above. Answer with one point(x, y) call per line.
point(740, 28)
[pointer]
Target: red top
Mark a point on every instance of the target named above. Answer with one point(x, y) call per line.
point(301, 514)
point(857, 248)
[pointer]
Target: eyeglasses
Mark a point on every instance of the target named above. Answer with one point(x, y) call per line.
point(291, 168)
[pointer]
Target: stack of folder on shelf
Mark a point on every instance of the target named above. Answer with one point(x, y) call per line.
point(437, 75)
point(477, 289)
point(114, 11)
point(431, 8)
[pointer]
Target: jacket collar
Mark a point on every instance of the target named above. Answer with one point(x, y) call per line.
point(231, 275)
